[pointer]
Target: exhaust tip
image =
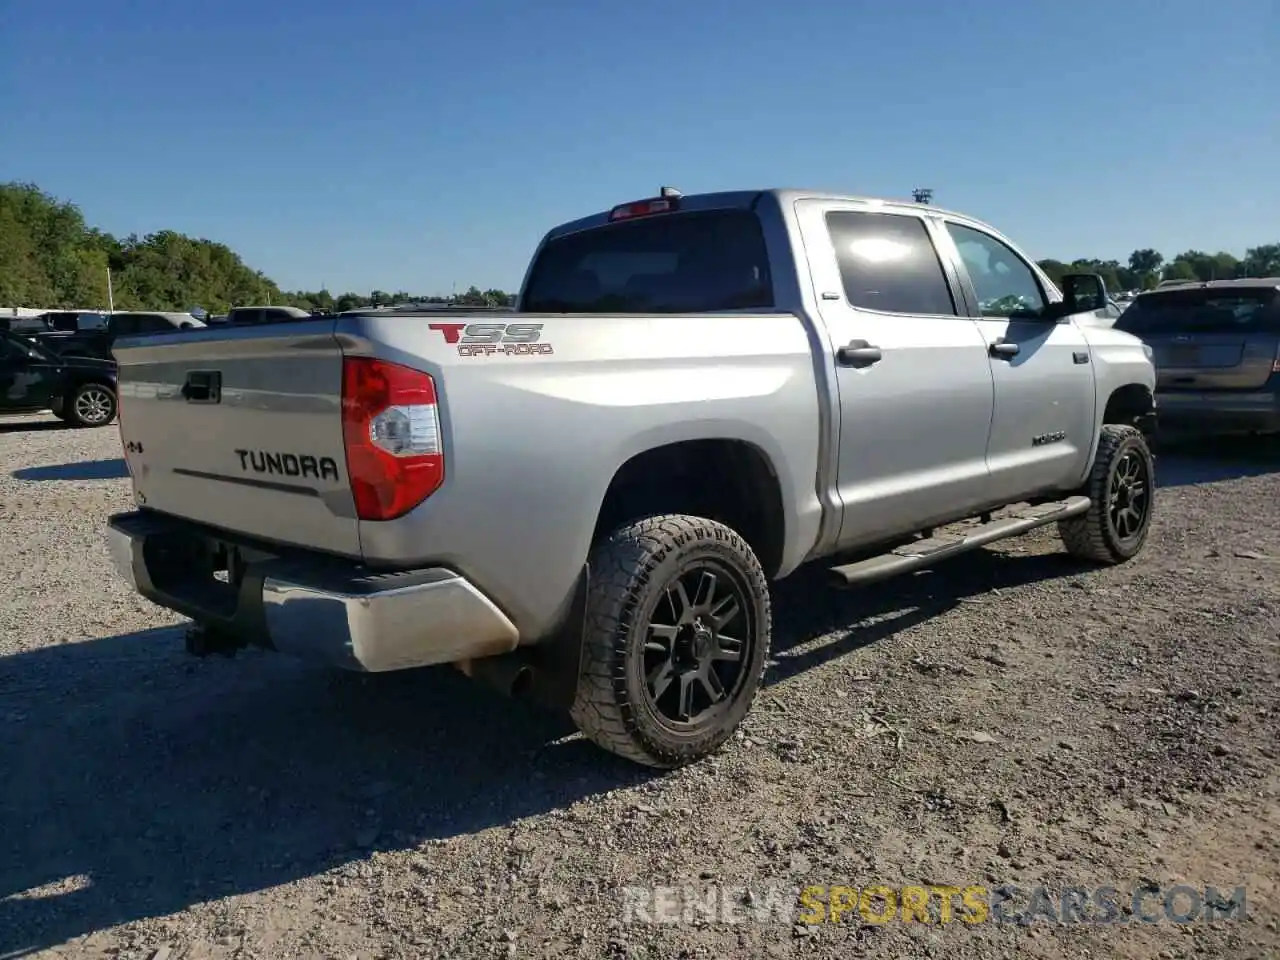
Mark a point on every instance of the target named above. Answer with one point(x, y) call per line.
point(506, 674)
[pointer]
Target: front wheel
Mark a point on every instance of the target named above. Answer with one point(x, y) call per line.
point(91, 405)
point(1122, 487)
point(677, 637)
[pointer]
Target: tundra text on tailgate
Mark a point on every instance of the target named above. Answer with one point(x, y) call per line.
point(586, 498)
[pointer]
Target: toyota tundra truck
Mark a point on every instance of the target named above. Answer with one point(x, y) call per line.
point(586, 500)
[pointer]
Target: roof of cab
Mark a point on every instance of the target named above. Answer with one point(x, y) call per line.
point(784, 196)
point(1239, 283)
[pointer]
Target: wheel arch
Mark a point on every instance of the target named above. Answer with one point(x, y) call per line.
point(726, 479)
point(1133, 405)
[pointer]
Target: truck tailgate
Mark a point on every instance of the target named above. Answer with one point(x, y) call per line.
point(241, 429)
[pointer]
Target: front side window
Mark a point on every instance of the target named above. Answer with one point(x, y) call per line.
point(888, 263)
point(1003, 281)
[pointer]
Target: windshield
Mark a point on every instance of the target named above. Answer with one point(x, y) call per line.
point(1200, 311)
point(675, 263)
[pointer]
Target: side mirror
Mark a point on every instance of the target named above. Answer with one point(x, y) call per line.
point(1083, 293)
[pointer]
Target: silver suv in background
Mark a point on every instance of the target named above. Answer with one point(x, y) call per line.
point(1216, 348)
point(253, 316)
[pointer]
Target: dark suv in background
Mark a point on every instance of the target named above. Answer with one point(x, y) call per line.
point(1216, 348)
point(253, 316)
point(94, 337)
point(79, 390)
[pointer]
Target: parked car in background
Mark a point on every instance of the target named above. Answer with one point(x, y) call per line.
point(79, 390)
point(253, 316)
point(74, 320)
point(1216, 348)
point(24, 324)
point(1107, 315)
point(94, 334)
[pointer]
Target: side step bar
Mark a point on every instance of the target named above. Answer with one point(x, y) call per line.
point(925, 553)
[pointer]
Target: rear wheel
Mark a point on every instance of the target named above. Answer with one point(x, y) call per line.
point(90, 405)
point(678, 629)
point(1121, 486)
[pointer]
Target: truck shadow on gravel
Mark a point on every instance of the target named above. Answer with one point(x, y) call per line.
point(1186, 462)
point(80, 470)
point(31, 425)
point(138, 782)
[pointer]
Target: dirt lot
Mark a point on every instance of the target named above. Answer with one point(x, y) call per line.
point(1010, 718)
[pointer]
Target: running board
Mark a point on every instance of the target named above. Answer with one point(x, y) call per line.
point(925, 553)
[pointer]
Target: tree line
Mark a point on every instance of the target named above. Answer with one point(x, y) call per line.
point(49, 257)
point(1145, 268)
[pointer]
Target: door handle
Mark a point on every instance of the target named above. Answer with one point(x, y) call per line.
point(1003, 349)
point(203, 386)
point(858, 353)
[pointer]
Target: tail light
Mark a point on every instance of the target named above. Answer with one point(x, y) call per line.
point(645, 208)
point(391, 431)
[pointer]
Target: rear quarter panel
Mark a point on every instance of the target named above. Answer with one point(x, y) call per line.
point(533, 441)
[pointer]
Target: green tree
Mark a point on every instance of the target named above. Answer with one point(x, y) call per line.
point(1263, 261)
point(349, 301)
point(1145, 263)
point(1055, 269)
point(1210, 266)
point(1179, 270)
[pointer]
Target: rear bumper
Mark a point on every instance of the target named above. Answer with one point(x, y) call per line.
point(308, 605)
point(1215, 411)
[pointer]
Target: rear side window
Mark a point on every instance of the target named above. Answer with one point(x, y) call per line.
point(124, 324)
point(1202, 311)
point(674, 263)
point(153, 323)
point(888, 263)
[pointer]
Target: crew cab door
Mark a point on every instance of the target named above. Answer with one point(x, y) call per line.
point(1043, 426)
point(914, 381)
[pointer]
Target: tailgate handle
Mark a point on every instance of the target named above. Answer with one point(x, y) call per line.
point(203, 386)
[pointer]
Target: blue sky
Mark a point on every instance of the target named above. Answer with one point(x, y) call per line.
point(401, 145)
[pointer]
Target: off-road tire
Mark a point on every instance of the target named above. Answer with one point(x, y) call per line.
point(72, 405)
point(630, 571)
point(1092, 536)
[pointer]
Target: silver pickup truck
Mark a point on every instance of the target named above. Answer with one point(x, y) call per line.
point(585, 500)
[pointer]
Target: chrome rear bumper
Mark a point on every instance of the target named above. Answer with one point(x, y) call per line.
point(308, 605)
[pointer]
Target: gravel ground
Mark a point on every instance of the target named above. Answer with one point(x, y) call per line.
point(1010, 718)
